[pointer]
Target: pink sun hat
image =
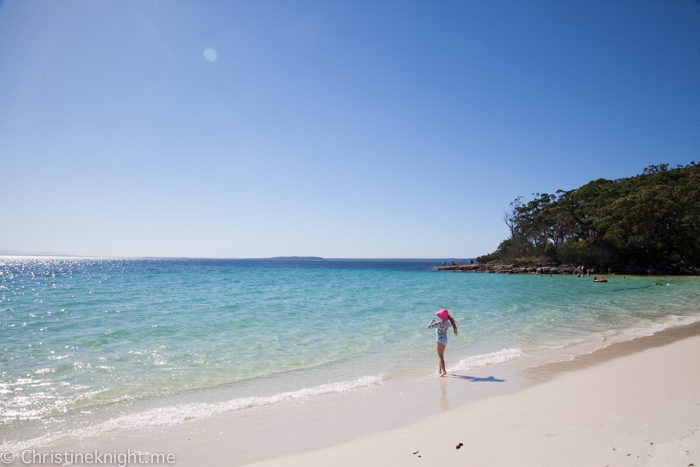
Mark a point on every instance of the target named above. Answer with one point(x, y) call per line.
point(443, 314)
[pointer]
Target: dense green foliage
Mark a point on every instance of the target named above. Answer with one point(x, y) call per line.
point(652, 218)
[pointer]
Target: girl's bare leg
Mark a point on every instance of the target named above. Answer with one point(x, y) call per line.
point(441, 365)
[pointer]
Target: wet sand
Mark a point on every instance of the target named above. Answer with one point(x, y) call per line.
point(633, 403)
point(624, 396)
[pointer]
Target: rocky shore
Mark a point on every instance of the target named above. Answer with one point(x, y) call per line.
point(631, 270)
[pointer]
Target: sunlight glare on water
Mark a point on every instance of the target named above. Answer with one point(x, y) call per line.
point(108, 336)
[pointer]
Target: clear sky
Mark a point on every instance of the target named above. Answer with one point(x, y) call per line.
point(327, 128)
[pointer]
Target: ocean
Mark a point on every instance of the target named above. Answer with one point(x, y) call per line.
point(91, 345)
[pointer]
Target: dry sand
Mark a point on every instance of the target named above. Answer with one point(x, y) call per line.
point(620, 407)
point(632, 403)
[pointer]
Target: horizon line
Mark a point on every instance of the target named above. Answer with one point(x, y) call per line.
point(272, 258)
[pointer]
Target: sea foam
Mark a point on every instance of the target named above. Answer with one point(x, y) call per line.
point(492, 358)
point(171, 415)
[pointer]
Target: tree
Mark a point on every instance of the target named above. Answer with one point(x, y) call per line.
point(650, 218)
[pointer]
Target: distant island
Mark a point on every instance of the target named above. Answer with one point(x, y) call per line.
point(649, 223)
point(294, 258)
point(363, 260)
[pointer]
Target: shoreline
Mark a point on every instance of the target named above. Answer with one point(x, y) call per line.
point(570, 269)
point(369, 369)
point(632, 403)
point(299, 429)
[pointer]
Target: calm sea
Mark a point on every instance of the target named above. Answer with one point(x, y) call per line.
point(91, 345)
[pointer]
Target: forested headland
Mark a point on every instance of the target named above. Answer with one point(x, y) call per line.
point(649, 220)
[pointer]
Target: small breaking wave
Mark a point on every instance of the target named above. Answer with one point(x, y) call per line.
point(492, 358)
point(171, 415)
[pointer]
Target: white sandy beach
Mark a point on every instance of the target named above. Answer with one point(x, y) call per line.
point(631, 403)
point(638, 409)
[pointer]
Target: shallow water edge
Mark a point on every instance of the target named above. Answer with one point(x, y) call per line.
point(298, 426)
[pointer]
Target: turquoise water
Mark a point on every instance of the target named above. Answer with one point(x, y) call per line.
point(92, 344)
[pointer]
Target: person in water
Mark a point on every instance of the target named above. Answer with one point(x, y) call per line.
point(441, 336)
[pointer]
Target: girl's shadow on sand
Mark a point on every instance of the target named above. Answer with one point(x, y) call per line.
point(474, 379)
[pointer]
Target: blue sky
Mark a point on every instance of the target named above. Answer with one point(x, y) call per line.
point(337, 129)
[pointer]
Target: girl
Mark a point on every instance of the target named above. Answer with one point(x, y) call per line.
point(441, 335)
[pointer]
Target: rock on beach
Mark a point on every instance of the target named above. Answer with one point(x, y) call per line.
point(631, 270)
